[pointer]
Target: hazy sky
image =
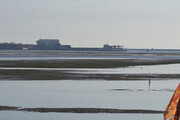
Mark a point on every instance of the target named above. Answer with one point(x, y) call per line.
point(132, 23)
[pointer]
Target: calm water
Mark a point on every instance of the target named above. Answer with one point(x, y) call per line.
point(69, 116)
point(151, 69)
point(135, 95)
point(53, 54)
point(101, 94)
point(88, 93)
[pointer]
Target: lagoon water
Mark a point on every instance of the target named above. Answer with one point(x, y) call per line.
point(70, 116)
point(143, 69)
point(55, 54)
point(93, 94)
point(88, 93)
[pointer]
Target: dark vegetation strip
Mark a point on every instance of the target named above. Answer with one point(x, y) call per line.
point(65, 75)
point(80, 110)
point(84, 63)
point(80, 63)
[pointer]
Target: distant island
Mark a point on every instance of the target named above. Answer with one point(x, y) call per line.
point(54, 44)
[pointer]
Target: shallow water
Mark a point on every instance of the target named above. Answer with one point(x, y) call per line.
point(55, 54)
point(145, 69)
point(95, 94)
point(91, 94)
point(70, 116)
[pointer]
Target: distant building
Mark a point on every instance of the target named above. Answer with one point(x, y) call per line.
point(10, 46)
point(48, 42)
point(53, 44)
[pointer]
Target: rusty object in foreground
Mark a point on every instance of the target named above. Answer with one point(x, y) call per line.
point(172, 111)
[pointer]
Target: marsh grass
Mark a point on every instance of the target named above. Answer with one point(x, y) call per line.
point(83, 63)
point(80, 110)
point(65, 75)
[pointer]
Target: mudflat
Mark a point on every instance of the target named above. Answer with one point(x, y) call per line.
point(43, 69)
point(80, 110)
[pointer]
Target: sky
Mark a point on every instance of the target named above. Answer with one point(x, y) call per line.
point(92, 23)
